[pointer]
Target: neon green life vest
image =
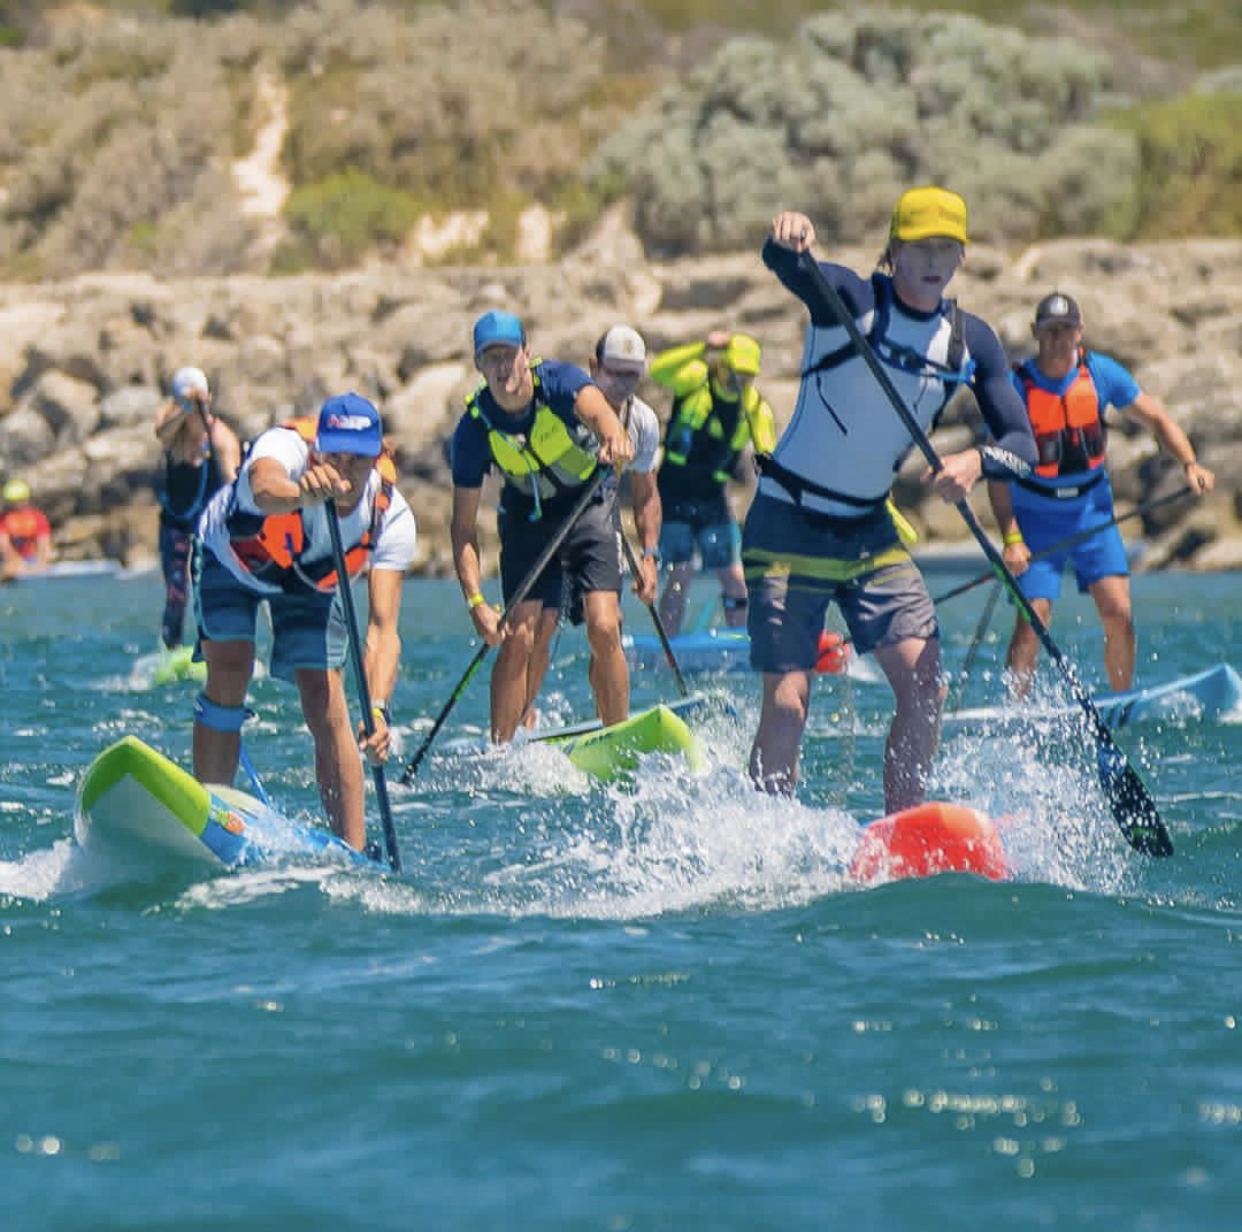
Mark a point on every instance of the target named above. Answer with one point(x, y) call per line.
point(694, 432)
point(552, 458)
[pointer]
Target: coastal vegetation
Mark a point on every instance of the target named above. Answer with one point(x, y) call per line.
point(127, 123)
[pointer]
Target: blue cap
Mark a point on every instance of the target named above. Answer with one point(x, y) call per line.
point(498, 329)
point(349, 423)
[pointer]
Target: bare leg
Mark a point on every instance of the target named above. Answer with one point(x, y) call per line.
point(775, 753)
point(338, 765)
point(673, 600)
point(912, 667)
point(540, 659)
point(610, 674)
point(1112, 600)
point(216, 753)
point(511, 673)
point(733, 584)
point(1024, 650)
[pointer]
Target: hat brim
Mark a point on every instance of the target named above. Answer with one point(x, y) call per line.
point(909, 235)
point(363, 445)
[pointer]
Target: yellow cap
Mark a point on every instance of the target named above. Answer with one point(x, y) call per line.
point(922, 213)
point(743, 355)
point(16, 492)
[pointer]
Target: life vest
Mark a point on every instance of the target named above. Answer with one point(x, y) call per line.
point(952, 372)
point(271, 547)
point(24, 527)
point(1068, 427)
point(707, 435)
point(551, 458)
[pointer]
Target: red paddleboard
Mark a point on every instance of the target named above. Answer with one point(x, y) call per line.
point(929, 839)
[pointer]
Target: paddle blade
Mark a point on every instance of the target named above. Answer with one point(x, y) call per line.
point(1133, 808)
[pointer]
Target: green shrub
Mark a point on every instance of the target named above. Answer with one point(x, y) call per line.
point(342, 217)
point(1190, 166)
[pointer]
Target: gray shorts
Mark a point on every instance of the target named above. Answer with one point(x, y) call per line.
point(308, 628)
point(797, 563)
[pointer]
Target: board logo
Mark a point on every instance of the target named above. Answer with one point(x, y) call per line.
point(226, 819)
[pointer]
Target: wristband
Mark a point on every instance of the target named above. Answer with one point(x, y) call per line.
point(475, 600)
point(380, 711)
point(1014, 536)
point(651, 554)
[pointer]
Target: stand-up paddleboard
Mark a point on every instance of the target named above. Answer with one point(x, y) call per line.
point(177, 664)
point(612, 752)
point(71, 570)
point(1210, 695)
point(133, 800)
point(929, 839)
point(724, 651)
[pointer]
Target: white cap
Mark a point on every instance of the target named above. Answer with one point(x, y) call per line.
point(623, 345)
point(187, 381)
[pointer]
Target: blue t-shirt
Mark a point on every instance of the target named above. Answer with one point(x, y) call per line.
point(471, 455)
point(1114, 386)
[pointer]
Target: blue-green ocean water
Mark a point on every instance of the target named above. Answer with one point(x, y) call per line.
point(665, 1008)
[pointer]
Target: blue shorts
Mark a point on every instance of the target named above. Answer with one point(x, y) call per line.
point(308, 628)
point(718, 545)
point(1044, 521)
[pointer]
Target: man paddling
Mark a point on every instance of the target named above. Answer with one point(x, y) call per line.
point(201, 455)
point(819, 529)
point(1066, 390)
point(617, 364)
point(547, 428)
point(266, 538)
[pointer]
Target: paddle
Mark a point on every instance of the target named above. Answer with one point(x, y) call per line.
point(1131, 803)
point(360, 679)
point(980, 630)
point(528, 583)
point(655, 619)
point(1075, 539)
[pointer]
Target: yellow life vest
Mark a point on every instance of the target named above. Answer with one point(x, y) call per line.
point(552, 458)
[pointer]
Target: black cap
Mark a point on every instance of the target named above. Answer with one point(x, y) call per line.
point(1056, 308)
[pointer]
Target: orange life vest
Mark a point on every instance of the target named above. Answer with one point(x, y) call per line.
point(271, 547)
point(1068, 428)
point(25, 527)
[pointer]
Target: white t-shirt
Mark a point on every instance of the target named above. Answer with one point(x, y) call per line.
point(395, 536)
point(644, 429)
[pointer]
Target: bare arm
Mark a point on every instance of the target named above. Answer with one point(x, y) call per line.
point(467, 562)
point(1014, 550)
point(593, 409)
point(227, 449)
point(275, 492)
point(1152, 414)
point(648, 515)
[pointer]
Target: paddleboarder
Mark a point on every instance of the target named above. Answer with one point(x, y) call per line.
point(547, 428)
point(201, 455)
point(1066, 390)
point(717, 415)
point(818, 530)
point(266, 538)
point(25, 533)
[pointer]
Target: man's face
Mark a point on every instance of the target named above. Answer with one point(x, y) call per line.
point(355, 469)
point(617, 381)
point(506, 370)
point(1058, 340)
point(926, 266)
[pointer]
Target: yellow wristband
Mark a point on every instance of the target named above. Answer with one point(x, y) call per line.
point(475, 599)
point(1014, 536)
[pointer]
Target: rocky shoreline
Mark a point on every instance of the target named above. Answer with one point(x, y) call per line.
point(83, 366)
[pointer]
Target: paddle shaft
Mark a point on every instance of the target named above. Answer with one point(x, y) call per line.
point(959, 688)
point(360, 679)
point(1071, 541)
point(1132, 805)
point(519, 596)
point(655, 619)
